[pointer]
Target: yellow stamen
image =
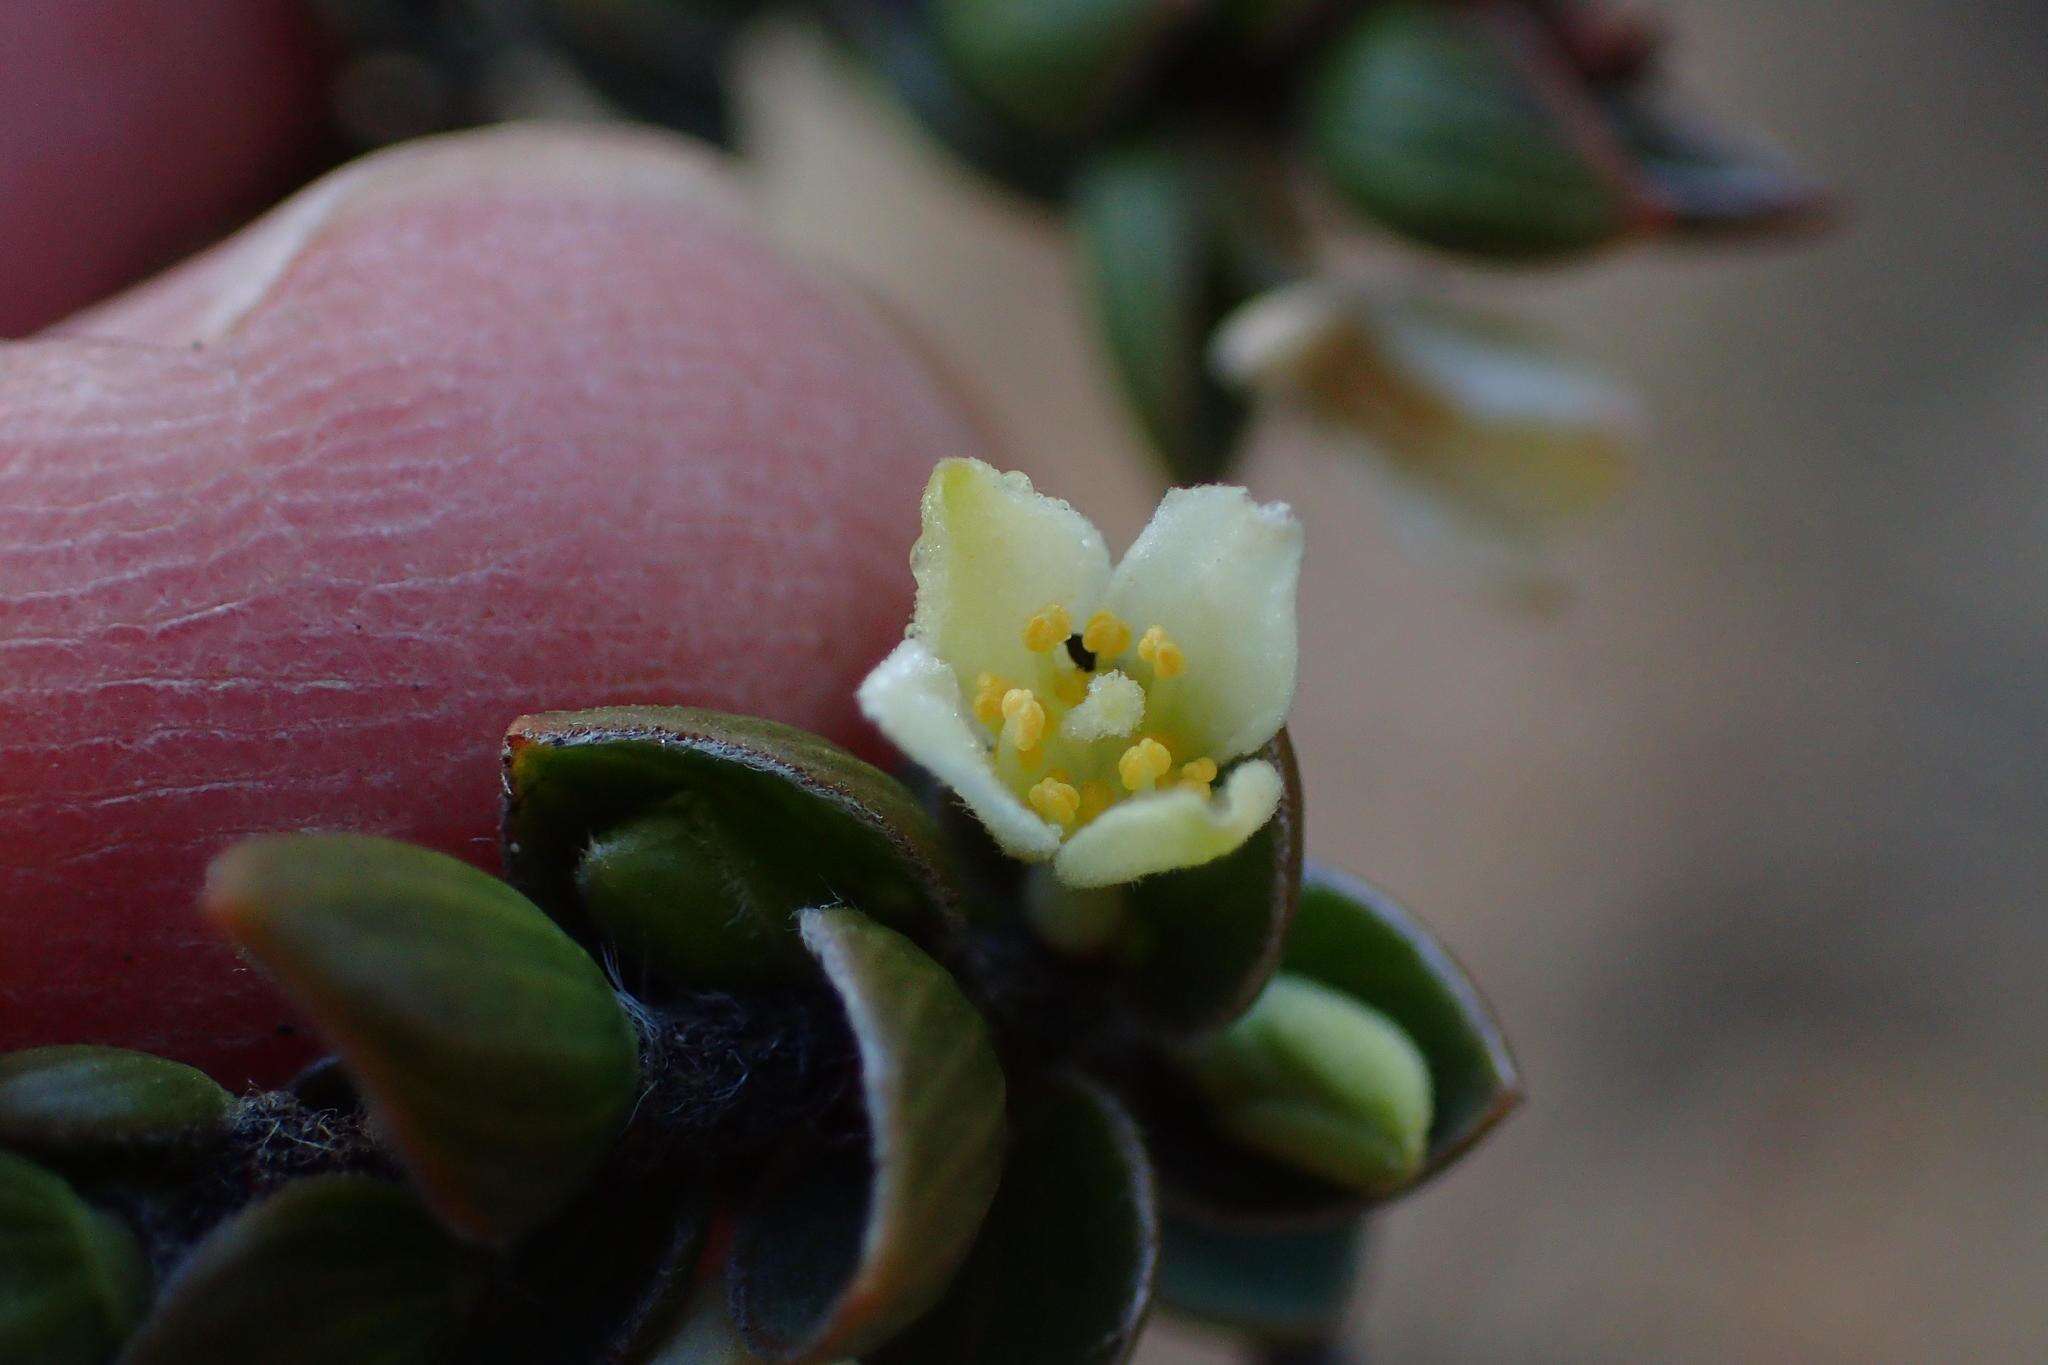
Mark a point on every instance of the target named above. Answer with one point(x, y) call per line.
point(1023, 720)
point(1106, 637)
point(1143, 764)
point(1157, 648)
point(1056, 801)
point(1070, 687)
point(1200, 770)
point(1096, 797)
point(1050, 627)
point(988, 699)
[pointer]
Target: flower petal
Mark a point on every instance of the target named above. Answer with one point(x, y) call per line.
point(1509, 427)
point(1482, 413)
point(914, 699)
point(992, 554)
point(1218, 572)
point(1159, 833)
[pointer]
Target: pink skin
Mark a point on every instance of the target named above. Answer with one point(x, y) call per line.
point(133, 130)
point(487, 425)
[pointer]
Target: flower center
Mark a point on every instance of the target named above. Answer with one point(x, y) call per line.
point(1067, 739)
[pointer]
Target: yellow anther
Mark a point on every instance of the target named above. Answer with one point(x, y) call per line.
point(1143, 764)
point(1189, 784)
point(988, 699)
point(1201, 770)
point(1050, 627)
point(1023, 719)
point(1070, 688)
point(1056, 801)
point(1157, 648)
point(1096, 798)
point(1106, 637)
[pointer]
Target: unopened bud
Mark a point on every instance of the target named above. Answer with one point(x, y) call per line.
point(1320, 1081)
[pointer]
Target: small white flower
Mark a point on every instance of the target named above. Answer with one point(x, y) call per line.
point(1098, 719)
point(1501, 432)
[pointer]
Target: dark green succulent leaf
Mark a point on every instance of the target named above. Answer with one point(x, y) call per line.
point(859, 1243)
point(73, 1281)
point(1061, 67)
point(488, 1046)
point(1062, 1271)
point(1459, 126)
point(1353, 937)
point(710, 833)
point(331, 1270)
point(605, 1281)
point(1206, 939)
point(1282, 1286)
point(898, 42)
point(80, 1100)
point(1700, 181)
point(1157, 265)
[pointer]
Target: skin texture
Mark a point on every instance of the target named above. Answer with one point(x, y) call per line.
point(510, 421)
point(133, 130)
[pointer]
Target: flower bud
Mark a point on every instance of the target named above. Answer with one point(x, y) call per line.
point(684, 895)
point(1320, 1081)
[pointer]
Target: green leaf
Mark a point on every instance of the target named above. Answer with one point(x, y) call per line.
point(81, 1100)
point(606, 1279)
point(861, 1243)
point(1321, 1082)
point(1155, 262)
point(1062, 1271)
point(707, 834)
point(1283, 1286)
point(332, 1270)
point(1458, 126)
point(1061, 67)
point(1353, 937)
point(72, 1280)
point(489, 1047)
point(1206, 939)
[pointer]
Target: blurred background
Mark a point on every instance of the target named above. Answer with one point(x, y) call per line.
point(1747, 842)
point(1746, 838)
